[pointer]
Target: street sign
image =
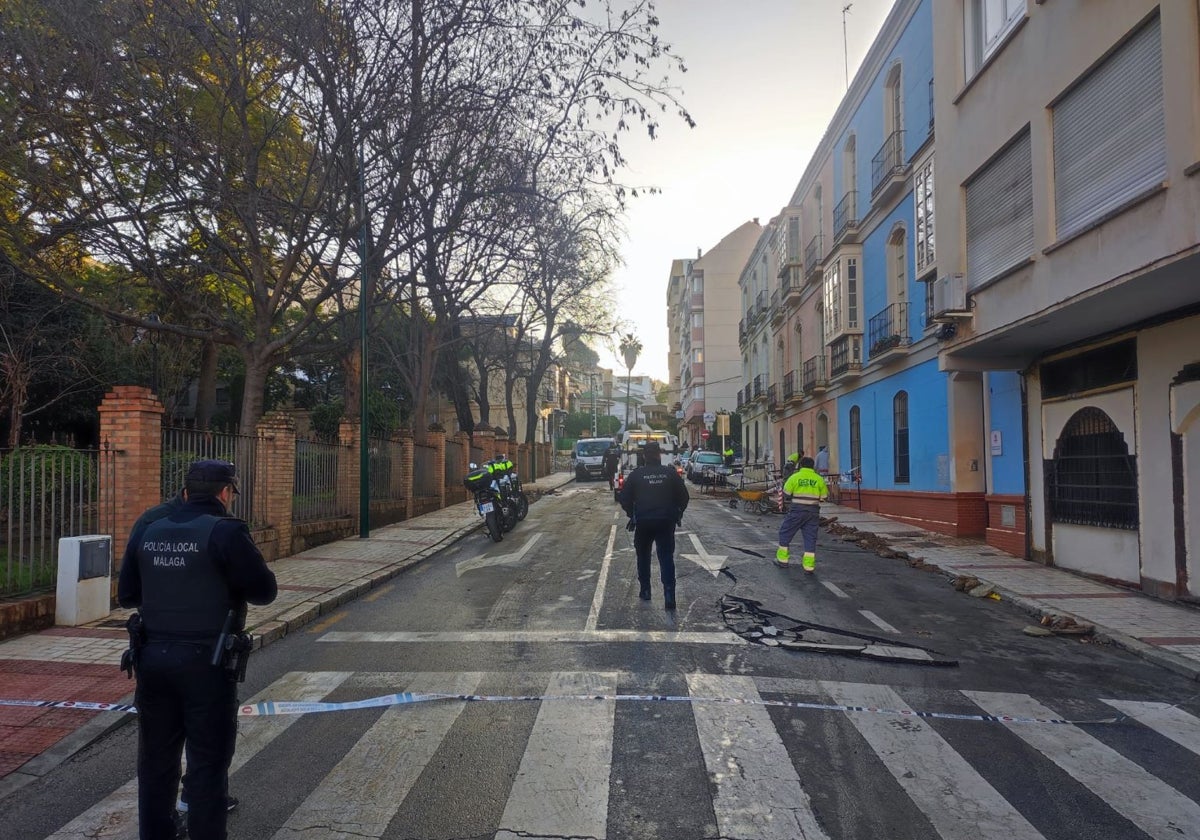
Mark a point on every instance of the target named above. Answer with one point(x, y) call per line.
point(709, 418)
point(704, 434)
point(723, 425)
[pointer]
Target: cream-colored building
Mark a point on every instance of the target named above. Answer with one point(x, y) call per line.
point(1068, 218)
point(702, 318)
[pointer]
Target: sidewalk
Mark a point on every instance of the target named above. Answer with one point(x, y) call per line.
point(1159, 631)
point(82, 663)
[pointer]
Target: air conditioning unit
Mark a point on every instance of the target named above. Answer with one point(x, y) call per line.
point(950, 298)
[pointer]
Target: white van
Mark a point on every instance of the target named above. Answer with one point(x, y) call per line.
point(587, 459)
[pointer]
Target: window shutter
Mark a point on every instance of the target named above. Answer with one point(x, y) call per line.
point(1000, 214)
point(1110, 134)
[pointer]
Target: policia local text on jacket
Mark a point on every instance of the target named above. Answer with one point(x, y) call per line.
point(806, 489)
point(186, 572)
point(655, 497)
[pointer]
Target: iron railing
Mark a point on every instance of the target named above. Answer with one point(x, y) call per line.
point(814, 374)
point(813, 253)
point(454, 464)
point(383, 463)
point(889, 329)
point(845, 215)
point(772, 396)
point(888, 161)
point(315, 483)
point(182, 447)
point(845, 355)
point(425, 470)
point(47, 493)
point(760, 385)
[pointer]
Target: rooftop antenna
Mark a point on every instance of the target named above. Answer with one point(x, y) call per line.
point(845, 50)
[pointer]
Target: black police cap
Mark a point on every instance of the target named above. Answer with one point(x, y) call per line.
point(217, 472)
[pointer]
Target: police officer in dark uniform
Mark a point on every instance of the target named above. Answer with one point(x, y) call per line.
point(188, 572)
point(655, 498)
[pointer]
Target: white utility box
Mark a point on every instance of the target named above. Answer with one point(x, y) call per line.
point(84, 579)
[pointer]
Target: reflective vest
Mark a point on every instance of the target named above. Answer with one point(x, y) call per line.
point(805, 487)
point(184, 595)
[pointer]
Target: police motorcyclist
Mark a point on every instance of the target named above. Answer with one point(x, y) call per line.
point(655, 498)
point(187, 572)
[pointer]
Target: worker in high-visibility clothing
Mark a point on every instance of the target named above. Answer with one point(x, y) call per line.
point(806, 490)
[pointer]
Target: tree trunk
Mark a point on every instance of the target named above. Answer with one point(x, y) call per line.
point(253, 404)
point(206, 386)
point(351, 381)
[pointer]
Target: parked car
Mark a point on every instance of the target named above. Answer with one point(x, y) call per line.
point(704, 467)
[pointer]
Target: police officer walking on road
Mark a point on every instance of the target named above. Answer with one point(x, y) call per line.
point(191, 573)
point(655, 498)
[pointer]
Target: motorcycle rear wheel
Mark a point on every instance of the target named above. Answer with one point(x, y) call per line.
point(492, 520)
point(522, 506)
point(508, 516)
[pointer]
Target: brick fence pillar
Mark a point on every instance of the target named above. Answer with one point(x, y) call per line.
point(437, 439)
point(131, 434)
point(277, 455)
point(348, 469)
point(464, 467)
point(486, 441)
point(402, 469)
point(502, 445)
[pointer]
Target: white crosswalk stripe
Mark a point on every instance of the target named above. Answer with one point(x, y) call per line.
point(1146, 801)
point(561, 786)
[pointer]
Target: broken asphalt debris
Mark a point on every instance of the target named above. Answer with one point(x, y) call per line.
point(754, 623)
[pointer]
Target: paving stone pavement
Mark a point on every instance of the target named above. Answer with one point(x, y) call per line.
point(82, 663)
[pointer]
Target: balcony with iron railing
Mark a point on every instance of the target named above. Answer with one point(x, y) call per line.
point(746, 394)
point(742, 331)
point(760, 385)
point(790, 391)
point(760, 304)
point(814, 252)
point(845, 219)
point(887, 332)
point(845, 357)
point(772, 397)
point(777, 311)
point(740, 399)
point(816, 381)
point(888, 168)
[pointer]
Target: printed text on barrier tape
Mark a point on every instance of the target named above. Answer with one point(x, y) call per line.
point(265, 708)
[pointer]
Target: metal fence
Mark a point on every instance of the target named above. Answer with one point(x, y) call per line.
point(383, 464)
point(181, 447)
point(454, 464)
point(425, 470)
point(315, 485)
point(48, 492)
point(476, 455)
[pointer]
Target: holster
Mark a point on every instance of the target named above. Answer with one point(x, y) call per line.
point(236, 655)
point(137, 640)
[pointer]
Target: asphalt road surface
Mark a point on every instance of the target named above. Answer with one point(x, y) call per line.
point(909, 711)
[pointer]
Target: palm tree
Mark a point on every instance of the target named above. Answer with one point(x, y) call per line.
point(630, 348)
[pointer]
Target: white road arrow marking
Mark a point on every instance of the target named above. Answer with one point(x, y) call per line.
point(499, 560)
point(709, 562)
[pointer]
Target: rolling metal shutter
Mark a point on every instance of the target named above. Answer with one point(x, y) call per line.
point(1000, 214)
point(1110, 134)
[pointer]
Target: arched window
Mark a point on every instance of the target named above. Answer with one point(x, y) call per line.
point(850, 166)
point(856, 440)
point(900, 436)
point(893, 102)
point(799, 438)
point(783, 453)
point(1092, 479)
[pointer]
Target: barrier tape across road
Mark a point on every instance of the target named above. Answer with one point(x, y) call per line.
point(266, 708)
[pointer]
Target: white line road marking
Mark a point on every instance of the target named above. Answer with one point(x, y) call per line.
point(602, 584)
point(1166, 720)
point(709, 562)
point(960, 803)
point(756, 792)
point(1145, 800)
point(877, 621)
point(525, 636)
point(359, 797)
point(832, 587)
point(502, 559)
point(116, 816)
point(561, 788)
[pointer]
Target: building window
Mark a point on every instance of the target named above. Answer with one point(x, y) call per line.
point(1092, 479)
point(697, 319)
point(900, 436)
point(893, 103)
point(999, 210)
point(698, 356)
point(897, 266)
point(1110, 139)
point(799, 438)
point(987, 24)
point(923, 196)
point(833, 299)
point(856, 441)
point(851, 293)
point(928, 284)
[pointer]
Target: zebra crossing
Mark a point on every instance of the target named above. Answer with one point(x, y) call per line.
point(769, 772)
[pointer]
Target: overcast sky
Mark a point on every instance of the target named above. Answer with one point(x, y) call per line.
point(764, 78)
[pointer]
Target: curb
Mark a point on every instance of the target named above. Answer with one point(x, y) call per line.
point(266, 633)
